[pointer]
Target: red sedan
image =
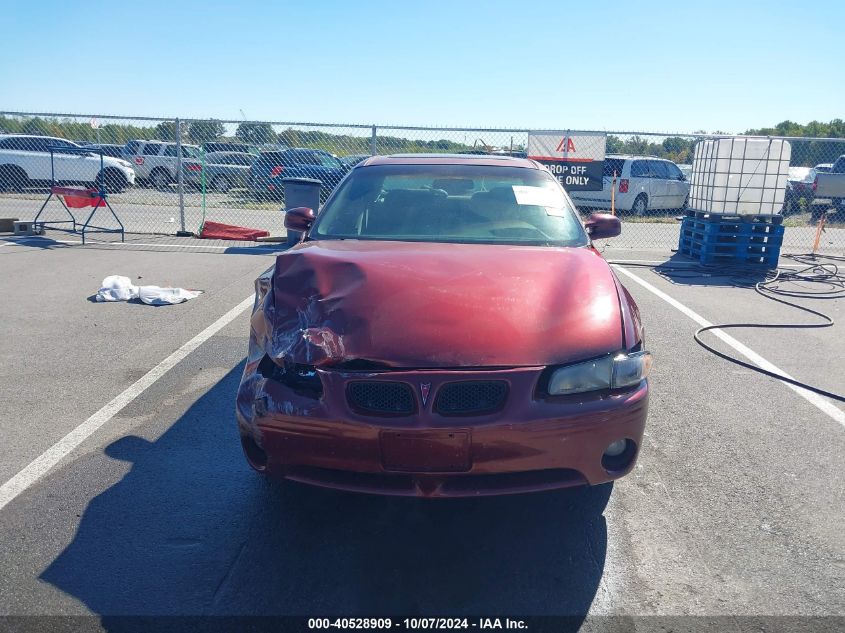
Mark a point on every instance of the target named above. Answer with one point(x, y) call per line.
point(445, 328)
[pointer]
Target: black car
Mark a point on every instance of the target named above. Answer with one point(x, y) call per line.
point(229, 147)
point(268, 171)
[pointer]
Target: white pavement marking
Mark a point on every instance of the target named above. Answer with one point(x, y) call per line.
point(813, 398)
point(42, 464)
point(269, 249)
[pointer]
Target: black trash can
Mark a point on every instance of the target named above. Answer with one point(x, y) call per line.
point(301, 192)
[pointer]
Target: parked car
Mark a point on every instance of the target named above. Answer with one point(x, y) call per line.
point(243, 148)
point(422, 343)
point(25, 162)
point(115, 151)
point(155, 161)
point(838, 167)
point(223, 171)
point(268, 171)
point(643, 183)
point(801, 184)
point(353, 159)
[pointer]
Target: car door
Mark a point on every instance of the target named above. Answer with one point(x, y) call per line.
point(74, 166)
point(34, 156)
point(659, 185)
point(148, 159)
point(678, 186)
point(640, 181)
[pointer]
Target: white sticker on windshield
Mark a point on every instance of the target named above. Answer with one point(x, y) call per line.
point(550, 199)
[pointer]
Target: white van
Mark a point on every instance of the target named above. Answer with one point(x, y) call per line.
point(643, 183)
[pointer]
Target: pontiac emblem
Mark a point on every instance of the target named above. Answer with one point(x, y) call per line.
point(425, 388)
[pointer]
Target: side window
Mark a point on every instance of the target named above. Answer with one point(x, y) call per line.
point(657, 169)
point(8, 143)
point(131, 147)
point(151, 149)
point(36, 144)
point(674, 172)
point(243, 160)
point(327, 160)
point(639, 169)
point(306, 158)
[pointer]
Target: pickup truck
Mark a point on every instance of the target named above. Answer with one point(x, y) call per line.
point(832, 184)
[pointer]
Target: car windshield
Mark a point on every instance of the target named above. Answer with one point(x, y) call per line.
point(451, 203)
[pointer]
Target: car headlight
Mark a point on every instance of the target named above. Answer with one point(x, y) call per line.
point(607, 372)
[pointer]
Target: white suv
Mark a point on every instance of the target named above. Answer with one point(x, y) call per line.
point(25, 162)
point(155, 161)
point(642, 183)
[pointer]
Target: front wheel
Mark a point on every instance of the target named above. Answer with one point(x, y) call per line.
point(640, 205)
point(13, 178)
point(113, 180)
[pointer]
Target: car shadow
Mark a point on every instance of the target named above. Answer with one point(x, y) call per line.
point(191, 530)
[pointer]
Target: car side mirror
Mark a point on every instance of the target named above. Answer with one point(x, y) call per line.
point(299, 219)
point(600, 226)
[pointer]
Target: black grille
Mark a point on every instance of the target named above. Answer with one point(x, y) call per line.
point(380, 397)
point(472, 397)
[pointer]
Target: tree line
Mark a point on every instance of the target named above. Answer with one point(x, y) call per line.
point(675, 148)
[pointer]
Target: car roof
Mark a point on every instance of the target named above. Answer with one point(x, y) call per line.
point(230, 153)
point(56, 138)
point(152, 141)
point(488, 160)
point(638, 156)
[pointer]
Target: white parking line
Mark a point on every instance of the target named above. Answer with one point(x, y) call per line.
point(816, 400)
point(269, 249)
point(42, 464)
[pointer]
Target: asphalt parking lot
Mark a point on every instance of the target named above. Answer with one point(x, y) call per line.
point(735, 508)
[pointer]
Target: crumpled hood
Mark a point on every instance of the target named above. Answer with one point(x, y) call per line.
point(424, 305)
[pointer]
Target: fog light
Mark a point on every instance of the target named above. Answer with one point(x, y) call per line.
point(615, 448)
point(618, 456)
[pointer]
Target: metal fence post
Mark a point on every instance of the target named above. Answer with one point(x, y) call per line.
point(179, 183)
point(373, 142)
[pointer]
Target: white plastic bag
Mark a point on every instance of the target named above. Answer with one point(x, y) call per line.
point(118, 288)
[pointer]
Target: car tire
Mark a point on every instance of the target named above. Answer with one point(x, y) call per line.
point(13, 178)
point(221, 184)
point(640, 206)
point(115, 181)
point(160, 179)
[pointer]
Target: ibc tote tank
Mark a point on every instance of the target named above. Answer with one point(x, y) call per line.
point(738, 175)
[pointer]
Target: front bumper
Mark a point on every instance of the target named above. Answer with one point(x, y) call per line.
point(531, 444)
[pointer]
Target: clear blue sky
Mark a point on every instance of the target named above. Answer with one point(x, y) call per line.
point(650, 66)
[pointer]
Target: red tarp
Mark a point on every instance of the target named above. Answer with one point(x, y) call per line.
point(217, 231)
point(85, 199)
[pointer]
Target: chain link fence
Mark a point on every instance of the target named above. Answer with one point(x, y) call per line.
point(179, 173)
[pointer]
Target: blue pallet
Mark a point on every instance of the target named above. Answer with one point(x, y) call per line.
point(732, 228)
point(733, 217)
point(709, 258)
point(720, 239)
point(736, 250)
point(732, 240)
